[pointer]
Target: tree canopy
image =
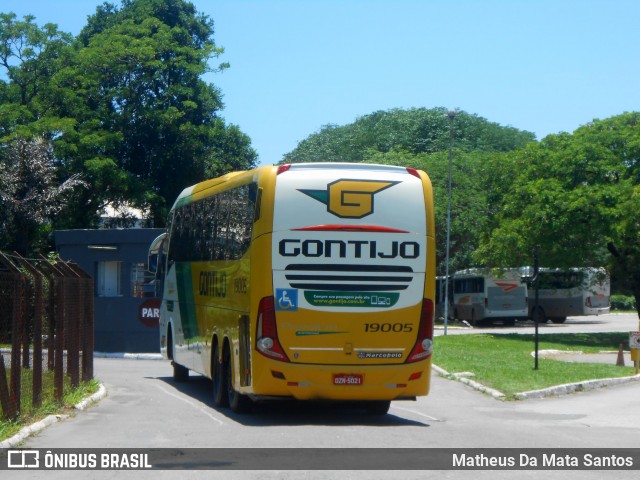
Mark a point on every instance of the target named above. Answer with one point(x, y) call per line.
point(575, 198)
point(413, 131)
point(30, 192)
point(124, 104)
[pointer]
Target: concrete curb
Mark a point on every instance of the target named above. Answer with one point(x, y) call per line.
point(99, 395)
point(568, 388)
point(131, 356)
point(462, 377)
point(32, 429)
point(555, 391)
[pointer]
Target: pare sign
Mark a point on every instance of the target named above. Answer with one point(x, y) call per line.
point(149, 312)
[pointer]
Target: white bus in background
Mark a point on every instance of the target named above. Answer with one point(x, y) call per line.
point(441, 297)
point(572, 292)
point(485, 295)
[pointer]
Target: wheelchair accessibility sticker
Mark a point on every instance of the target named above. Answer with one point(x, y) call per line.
point(287, 299)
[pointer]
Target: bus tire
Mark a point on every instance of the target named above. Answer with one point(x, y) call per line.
point(378, 407)
point(539, 315)
point(180, 373)
point(558, 319)
point(220, 397)
point(238, 402)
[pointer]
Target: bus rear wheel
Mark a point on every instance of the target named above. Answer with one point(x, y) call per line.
point(238, 402)
point(379, 407)
point(180, 373)
point(220, 397)
point(538, 315)
point(558, 319)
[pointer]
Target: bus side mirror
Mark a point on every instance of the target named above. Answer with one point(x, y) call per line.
point(155, 252)
point(153, 263)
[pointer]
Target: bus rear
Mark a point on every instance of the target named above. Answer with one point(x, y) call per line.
point(484, 296)
point(570, 292)
point(351, 317)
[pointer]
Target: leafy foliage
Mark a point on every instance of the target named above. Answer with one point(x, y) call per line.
point(574, 198)
point(413, 131)
point(138, 69)
point(29, 56)
point(622, 302)
point(30, 191)
point(124, 105)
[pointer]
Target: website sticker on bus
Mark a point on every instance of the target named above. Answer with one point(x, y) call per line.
point(351, 299)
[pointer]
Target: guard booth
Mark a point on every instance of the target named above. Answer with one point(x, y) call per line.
point(126, 306)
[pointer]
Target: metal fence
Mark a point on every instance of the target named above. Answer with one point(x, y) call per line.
point(46, 331)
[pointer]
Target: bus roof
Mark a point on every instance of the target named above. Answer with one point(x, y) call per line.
point(199, 189)
point(347, 166)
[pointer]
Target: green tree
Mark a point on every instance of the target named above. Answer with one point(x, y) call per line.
point(124, 105)
point(414, 131)
point(148, 125)
point(29, 56)
point(574, 197)
point(30, 193)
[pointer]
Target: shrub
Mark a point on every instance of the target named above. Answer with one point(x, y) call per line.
point(623, 302)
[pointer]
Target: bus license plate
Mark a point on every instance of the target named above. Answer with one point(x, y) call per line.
point(348, 379)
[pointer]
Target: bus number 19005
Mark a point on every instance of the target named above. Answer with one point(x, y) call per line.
point(388, 327)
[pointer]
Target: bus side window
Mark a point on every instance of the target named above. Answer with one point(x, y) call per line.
point(258, 203)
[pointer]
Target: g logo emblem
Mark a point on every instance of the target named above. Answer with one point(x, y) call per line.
point(348, 198)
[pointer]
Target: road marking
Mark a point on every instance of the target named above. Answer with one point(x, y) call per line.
point(416, 413)
point(192, 404)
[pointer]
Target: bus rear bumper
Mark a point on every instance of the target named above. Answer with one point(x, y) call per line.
point(343, 382)
point(597, 311)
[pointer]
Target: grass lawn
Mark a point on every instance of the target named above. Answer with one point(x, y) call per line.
point(504, 361)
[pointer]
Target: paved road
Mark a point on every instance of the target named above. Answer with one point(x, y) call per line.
point(145, 408)
point(613, 322)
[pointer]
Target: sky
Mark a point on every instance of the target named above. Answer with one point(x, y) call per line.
point(544, 66)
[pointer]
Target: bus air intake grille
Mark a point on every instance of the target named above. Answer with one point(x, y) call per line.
point(349, 278)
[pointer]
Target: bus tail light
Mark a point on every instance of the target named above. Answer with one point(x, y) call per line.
point(267, 342)
point(424, 343)
point(413, 172)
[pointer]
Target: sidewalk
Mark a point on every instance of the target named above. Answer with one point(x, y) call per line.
point(609, 357)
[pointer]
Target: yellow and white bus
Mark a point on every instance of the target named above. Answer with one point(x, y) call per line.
point(307, 281)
